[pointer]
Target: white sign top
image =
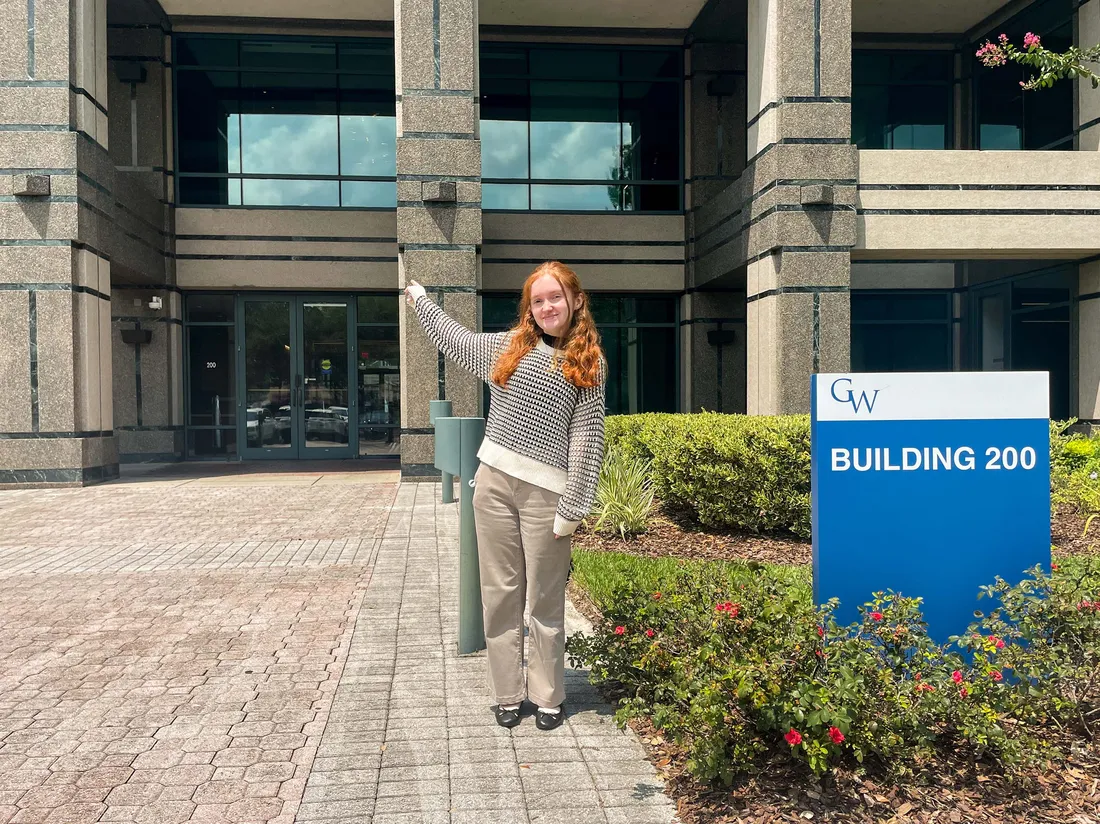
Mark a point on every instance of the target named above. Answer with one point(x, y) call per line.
point(932, 396)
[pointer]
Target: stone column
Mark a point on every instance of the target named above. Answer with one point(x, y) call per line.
point(439, 204)
point(1088, 98)
point(800, 184)
point(56, 422)
point(1088, 344)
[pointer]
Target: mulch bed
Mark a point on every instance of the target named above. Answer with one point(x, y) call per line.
point(672, 537)
point(955, 790)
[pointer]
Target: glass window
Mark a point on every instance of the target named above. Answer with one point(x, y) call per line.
point(640, 340)
point(901, 332)
point(379, 309)
point(378, 354)
point(304, 122)
point(580, 117)
point(902, 100)
point(212, 374)
point(211, 443)
point(1006, 116)
point(210, 309)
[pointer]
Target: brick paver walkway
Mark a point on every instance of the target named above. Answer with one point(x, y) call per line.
point(269, 648)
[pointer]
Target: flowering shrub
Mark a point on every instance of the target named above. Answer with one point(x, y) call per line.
point(1052, 66)
point(735, 677)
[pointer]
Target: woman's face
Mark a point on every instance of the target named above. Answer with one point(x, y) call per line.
point(552, 306)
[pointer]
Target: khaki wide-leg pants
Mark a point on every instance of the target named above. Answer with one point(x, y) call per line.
point(520, 560)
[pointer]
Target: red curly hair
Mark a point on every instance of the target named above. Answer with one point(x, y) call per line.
point(582, 357)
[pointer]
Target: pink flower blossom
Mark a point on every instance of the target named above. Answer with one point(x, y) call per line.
point(876, 616)
point(957, 677)
point(1031, 40)
point(649, 633)
point(620, 630)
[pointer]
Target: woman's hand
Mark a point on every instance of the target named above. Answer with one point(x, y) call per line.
point(413, 291)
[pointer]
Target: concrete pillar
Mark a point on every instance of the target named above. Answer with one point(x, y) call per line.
point(1088, 98)
point(800, 179)
point(439, 203)
point(1088, 343)
point(715, 349)
point(56, 420)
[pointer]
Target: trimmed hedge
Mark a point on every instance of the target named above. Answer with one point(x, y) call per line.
point(753, 472)
point(725, 471)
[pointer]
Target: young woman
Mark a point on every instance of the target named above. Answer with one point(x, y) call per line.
point(539, 464)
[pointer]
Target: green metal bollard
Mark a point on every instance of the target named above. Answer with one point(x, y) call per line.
point(443, 409)
point(456, 443)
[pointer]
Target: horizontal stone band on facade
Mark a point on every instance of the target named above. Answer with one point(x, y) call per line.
point(22, 436)
point(53, 287)
point(59, 476)
point(775, 104)
point(289, 238)
point(795, 290)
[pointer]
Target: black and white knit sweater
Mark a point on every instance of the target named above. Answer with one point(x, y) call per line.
point(541, 428)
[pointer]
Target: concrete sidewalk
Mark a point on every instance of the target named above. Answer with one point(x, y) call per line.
point(410, 737)
point(270, 647)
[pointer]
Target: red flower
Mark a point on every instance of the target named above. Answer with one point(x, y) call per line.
point(1084, 605)
point(650, 633)
point(1054, 567)
point(656, 596)
point(996, 675)
point(620, 630)
point(835, 735)
point(821, 632)
point(876, 616)
point(957, 677)
point(794, 737)
point(964, 692)
point(1000, 644)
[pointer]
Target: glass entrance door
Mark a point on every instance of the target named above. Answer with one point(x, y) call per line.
point(325, 358)
point(294, 364)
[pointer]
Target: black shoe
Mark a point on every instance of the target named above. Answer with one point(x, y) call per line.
point(506, 718)
point(549, 720)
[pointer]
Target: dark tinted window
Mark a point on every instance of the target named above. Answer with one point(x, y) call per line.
point(311, 109)
point(1006, 116)
point(902, 100)
point(581, 129)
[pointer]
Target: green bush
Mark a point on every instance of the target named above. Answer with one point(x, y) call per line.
point(725, 471)
point(753, 472)
point(624, 495)
point(1074, 469)
point(739, 668)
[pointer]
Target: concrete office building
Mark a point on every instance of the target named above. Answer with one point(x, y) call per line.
point(206, 215)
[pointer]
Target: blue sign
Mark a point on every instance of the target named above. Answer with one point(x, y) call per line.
point(930, 485)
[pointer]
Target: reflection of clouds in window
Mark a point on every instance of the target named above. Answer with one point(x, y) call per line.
point(504, 196)
point(504, 148)
point(587, 198)
point(233, 142)
point(367, 145)
point(288, 144)
point(577, 151)
point(291, 192)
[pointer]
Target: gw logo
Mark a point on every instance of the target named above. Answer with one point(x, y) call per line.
point(848, 395)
